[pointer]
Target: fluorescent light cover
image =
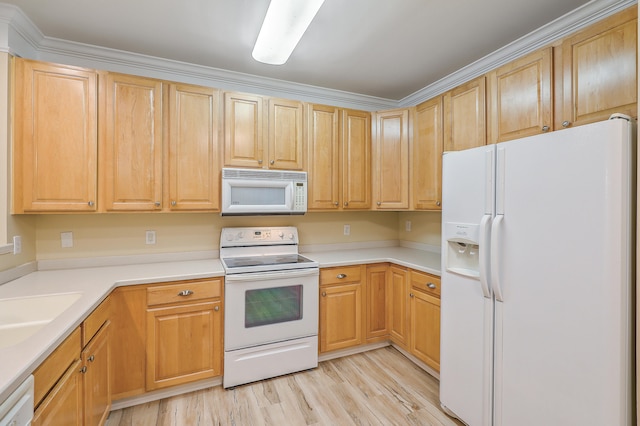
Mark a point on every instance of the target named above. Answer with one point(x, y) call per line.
point(282, 29)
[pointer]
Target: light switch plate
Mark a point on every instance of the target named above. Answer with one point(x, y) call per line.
point(347, 229)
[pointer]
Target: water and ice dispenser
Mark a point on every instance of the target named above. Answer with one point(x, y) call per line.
point(463, 249)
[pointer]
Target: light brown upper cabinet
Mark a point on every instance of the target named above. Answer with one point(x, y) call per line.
point(194, 153)
point(131, 149)
point(286, 136)
point(391, 160)
point(464, 116)
point(355, 163)
point(243, 130)
point(599, 71)
point(520, 97)
point(246, 124)
point(55, 138)
point(338, 158)
point(427, 155)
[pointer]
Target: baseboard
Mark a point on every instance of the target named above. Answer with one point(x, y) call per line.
point(417, 362)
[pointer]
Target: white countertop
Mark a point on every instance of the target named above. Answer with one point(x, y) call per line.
point(95, 284)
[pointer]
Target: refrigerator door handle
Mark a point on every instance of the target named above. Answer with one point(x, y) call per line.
point(484, 254)
point(495, 257)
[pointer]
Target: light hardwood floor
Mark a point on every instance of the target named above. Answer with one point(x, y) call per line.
point(379, 387)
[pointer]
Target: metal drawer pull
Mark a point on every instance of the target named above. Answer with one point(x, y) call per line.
point(341, 276)
point(411, 295)
point(91, 358)
point(185, 293)
point(217, 308)
point(324, 294)
point(83, 369)
point(431, 285)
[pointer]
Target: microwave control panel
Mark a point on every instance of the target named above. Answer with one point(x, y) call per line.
point(300, 196)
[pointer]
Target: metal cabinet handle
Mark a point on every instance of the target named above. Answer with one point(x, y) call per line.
point(90, 203)
point(335, 204)
point(438, 203)
point(411, 295)
point(431, 286)
point(83, 369)
point(378, 203)
point(259, 161)
point(565, 123)
point(341, 276)
point(545, 128)
point(216, 308)
point(324, 294)
point(346, 203)
point(272, 162)
point(185, 293)
point(91, 358)
point(157, 203)
point(173, 203)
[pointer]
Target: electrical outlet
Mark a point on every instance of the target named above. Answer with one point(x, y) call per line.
point(407, 225)
point(17, 244)
point(150, 237)
point(347, 229)
point(66, 239)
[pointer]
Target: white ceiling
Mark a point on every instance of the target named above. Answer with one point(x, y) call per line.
point(383, 48)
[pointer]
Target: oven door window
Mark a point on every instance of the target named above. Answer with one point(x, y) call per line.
point(272, 305)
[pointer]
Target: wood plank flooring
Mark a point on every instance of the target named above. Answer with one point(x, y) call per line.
point(379, 387)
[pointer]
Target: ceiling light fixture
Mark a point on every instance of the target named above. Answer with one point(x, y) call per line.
point(283, 27)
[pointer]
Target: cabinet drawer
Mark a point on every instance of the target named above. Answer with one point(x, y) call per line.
point(52, 368)
point(340, 275)
point(185, 291)
point(425, 282)
point(92, 324)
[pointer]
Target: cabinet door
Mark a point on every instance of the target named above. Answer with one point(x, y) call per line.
point(194, 156)
point(286, 141)
point(323, 145)
point(520, 94)
point(243, 130)
point(425, 328)
point(63, 405)
point(132, 145)
point(355, 164)
point(56, 138)
point(377, 290)
point(184, 344)
point(599, 67)
point(340, 316)
point(97, 388)
point(391, 160)
point(427, 156)
point(128, 324)
point(464, 116)
point(399, 305)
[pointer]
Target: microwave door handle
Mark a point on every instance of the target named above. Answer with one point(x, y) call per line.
point(258, 276)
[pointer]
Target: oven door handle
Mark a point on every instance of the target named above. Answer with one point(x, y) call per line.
point(261, 276)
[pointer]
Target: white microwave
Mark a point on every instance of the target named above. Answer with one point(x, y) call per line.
point(263, 192)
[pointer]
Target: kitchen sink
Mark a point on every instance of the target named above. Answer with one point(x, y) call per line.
point(23, 316)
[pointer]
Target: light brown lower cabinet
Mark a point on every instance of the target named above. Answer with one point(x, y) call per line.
point(63, 405)
point(377, 310)
point(399, 307)
point(424, 308)
point(72, 386)
point(341, 311)
point(184, 332)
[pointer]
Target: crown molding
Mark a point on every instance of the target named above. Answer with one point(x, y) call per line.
point(555, 30)
point(20, 36)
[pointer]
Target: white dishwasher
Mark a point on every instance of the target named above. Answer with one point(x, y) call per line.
point(17, 409)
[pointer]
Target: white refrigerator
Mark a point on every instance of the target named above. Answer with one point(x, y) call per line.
point(538, 282)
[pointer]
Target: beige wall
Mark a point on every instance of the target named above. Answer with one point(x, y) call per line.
point(124, 234)
point(426, 227)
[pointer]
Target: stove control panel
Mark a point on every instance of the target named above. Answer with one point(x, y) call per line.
point(233, 237)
